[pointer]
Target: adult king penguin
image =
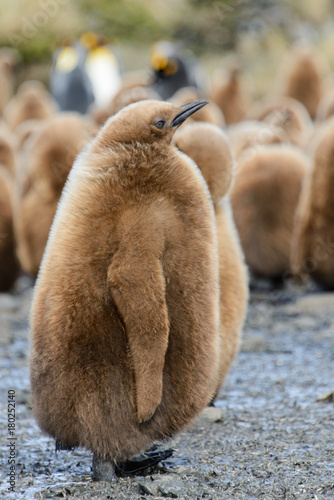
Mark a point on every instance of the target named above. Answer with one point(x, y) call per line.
point(125, 318)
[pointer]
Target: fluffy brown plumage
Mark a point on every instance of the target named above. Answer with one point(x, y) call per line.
point(303, 76)
point(32, 101)
point(7, 149)
point(264, 199)
point(209, 147)
point(45, 164)
point(313, 242)
point(24, 131)
point(248, 136)
point(326, 106)
point(125, 316)
point(231, 96)
point(287, 114)
point(9, 59)
point(9, 266)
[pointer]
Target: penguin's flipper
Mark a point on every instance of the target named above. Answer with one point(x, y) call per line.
point(137, 285)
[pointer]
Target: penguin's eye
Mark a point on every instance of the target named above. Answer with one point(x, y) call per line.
point(160, 124)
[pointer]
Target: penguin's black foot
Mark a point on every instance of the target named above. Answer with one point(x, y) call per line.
point(103, 470)
point(141, 462)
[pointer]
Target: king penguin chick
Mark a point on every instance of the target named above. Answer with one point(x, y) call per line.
point(248, 136)
point(264, 200)
point(303, 75)
point(288, 114)
point(7, 149)
point(25, 130)
point(31, 101)
point(209, 147)
point(46, 162)
point(326, 107)
point(9, 60)
point(313, 241)
point(125, 317)
point(230, 94)
point(9, 265)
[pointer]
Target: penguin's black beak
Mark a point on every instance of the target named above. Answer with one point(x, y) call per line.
point(187, 110)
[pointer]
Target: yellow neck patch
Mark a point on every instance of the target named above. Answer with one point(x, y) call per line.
point(67, 60)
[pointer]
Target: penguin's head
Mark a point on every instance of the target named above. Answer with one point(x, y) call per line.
point(147, 122)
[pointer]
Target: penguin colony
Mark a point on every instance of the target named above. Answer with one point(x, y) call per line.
point(143, 258)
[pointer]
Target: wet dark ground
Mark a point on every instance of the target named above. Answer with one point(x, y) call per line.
point(271, 435)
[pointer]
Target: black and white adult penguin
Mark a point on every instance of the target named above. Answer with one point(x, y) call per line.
point(69, 82)
point(125, 317)
point(103, 66)
point(173, 68)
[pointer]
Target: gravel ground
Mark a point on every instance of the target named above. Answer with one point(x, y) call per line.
point(269, 437)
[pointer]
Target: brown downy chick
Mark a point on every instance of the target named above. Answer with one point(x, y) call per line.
point(209, 147)
point(125, 318)
point(45, 164)
point(313, 241)
point(209, 114)
point(326, 107)
point(24, 131)
point(9, 265)
point(304, 75)
point(264, 200)
point(9, 59)
point(7, 150)
point(31, 101)
point(287, 114)
point(249, 136)
point(231, 96)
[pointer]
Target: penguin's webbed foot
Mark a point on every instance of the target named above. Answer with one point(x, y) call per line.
point(141, 462)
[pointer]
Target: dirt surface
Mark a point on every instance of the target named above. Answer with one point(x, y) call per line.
point(269, 437)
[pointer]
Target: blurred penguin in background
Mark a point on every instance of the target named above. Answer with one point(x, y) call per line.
point(84, 72)
point(264, 200)
point(313, 240)
point(47, 159)
point(287, 114)
point(173, 68)
point(231, 95)
point(32, 101)
point(326, 106)
point(303, 77)
point(103, 67)
point(7, 149)
point(9, 265)
point(248, 136)
point(69, 82)
point(9, 59)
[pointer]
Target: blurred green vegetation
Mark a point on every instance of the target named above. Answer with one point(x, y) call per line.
point(211, 28)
